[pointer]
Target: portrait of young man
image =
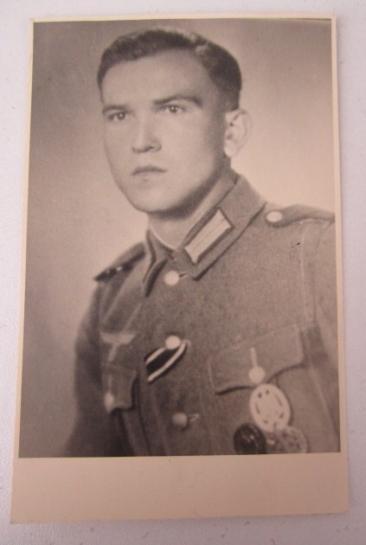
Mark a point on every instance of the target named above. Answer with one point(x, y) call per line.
point(216, 332)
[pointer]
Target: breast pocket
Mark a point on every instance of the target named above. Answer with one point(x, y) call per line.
point(255, 360)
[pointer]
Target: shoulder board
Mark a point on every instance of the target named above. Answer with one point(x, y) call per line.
point(280, 217)
point(123, 263)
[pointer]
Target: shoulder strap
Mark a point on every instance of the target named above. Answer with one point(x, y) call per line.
point(123, 263)
point(283, 216)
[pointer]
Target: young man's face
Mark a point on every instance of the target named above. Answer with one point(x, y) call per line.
point(164, 131)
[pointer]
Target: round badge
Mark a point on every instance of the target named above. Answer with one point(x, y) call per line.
point(248, 439)
point(292, 440)
point(269, 408)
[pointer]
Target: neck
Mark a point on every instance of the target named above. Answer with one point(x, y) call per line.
point(172, 229)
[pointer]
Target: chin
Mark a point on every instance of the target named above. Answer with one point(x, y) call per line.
point(148, 205)
point(150, 201)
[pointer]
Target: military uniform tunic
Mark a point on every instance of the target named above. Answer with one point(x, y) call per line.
point(166, 352)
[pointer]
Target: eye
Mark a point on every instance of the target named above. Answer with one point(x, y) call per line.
point(173, 109)
point(116, 117)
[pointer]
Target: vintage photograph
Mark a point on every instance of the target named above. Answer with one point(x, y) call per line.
point(181, 256)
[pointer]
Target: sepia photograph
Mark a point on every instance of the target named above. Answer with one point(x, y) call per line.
point(183, 259)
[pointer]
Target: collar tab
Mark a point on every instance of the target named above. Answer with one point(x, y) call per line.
point(215, 228)
point(216, 232)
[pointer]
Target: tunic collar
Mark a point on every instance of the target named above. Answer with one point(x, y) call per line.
point(208, 240)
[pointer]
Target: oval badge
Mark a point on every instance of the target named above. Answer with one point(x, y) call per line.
point(269, 408)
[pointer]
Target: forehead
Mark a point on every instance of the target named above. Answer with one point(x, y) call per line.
point(163, 74)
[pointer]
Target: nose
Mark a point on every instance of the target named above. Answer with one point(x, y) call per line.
point(145, 138)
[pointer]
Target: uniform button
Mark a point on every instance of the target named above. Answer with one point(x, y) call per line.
point(257, 374)
point(180, 420)
point(108, 401)
point(274, 216)
point(172, 342)
point(171, 278)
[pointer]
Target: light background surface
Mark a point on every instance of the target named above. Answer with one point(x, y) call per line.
point(78, 222)
point(335, 529)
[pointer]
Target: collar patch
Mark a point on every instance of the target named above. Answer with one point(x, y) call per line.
point(208, 236)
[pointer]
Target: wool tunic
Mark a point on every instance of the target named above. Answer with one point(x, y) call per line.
point(167, 348)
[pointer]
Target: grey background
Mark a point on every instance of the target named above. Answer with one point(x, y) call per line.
point(336, 529)
point(78, 222)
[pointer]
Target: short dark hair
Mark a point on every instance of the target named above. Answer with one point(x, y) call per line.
point(221, 66)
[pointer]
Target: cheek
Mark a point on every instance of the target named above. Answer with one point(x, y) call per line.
point(116, 150)
point(204, 143)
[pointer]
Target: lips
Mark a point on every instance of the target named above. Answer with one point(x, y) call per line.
point(147, 169)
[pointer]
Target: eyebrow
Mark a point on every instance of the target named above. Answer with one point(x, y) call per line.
point(113, 107)
point(158, 102)
point(188, 98)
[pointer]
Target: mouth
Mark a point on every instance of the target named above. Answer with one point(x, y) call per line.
point(147, 169)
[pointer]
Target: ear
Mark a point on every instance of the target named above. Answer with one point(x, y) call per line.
point(236, 132)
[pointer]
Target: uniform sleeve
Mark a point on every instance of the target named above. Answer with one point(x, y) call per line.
point(326, 292)
point(93, 434)
point(325, 280)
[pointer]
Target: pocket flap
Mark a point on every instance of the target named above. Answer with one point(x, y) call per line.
point(274, 352)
